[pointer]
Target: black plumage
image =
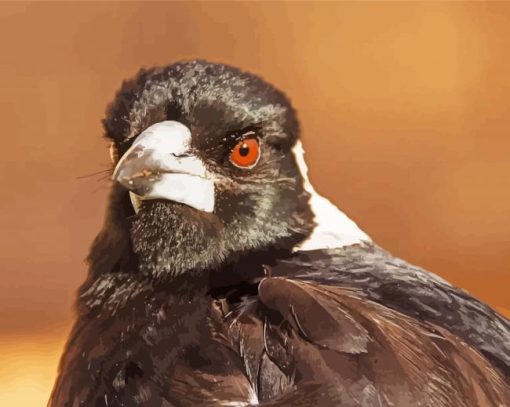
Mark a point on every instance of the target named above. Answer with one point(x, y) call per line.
point(183, 307)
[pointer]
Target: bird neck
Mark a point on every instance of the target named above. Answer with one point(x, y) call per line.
point(333, 228)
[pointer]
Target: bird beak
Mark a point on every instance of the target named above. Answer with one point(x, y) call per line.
point(159, 165)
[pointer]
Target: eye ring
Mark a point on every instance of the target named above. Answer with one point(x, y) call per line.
point(246, 153)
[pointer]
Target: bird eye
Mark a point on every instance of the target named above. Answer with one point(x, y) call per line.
point(245, 153)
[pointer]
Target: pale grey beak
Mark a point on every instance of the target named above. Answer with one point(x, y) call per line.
point(160, 165)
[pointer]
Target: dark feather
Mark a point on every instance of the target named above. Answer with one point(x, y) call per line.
point(410, 290)
point(371, 355)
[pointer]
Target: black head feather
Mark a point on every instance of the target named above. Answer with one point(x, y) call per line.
point(256, 210)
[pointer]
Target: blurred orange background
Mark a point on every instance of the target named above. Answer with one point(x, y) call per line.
point(405, 110)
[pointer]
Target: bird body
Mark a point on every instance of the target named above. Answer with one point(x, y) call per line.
point(335, 318)
point(221, 278)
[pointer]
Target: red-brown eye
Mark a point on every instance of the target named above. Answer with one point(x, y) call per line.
point(246, 153)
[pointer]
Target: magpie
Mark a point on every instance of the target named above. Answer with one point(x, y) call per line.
point(222, 278)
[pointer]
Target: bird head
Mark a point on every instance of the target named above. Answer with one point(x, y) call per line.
point(204, 152)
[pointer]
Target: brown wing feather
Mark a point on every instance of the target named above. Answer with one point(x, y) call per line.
point(365, 353)
point(335, 329)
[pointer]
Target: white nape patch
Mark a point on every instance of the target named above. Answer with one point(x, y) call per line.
point(333, 228)
point(165, 149)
